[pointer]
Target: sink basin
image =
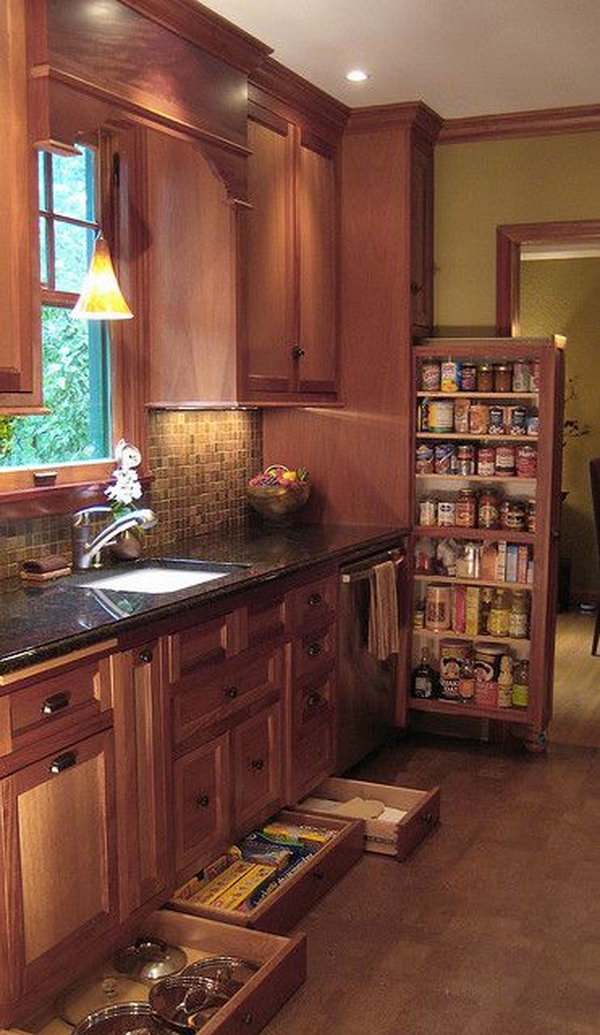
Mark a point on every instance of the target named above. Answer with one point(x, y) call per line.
point(168, 576)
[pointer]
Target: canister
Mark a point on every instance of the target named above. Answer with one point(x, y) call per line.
point(486, 663)
point(430, 375)
point(441, 415)
point(453, 654)
point(437, 607)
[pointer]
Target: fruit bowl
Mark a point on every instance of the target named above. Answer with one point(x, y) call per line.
point(278, 493)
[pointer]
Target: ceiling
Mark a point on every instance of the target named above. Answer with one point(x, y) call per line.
point(462, 57)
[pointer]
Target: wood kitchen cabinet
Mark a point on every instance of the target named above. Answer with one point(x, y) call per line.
point(421, 236)
point(201, 802)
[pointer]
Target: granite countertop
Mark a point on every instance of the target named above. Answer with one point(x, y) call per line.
point(42, 620)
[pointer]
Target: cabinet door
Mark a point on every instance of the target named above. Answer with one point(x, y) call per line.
point(202, 804)
point(269, 260)
point(141, 756)
point(316, 223)
point(421, 239)
point(58, 842)
point(256, 745)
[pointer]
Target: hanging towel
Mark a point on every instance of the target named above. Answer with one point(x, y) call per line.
point(383, 612)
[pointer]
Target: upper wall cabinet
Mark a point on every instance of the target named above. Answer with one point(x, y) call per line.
point(421, 236)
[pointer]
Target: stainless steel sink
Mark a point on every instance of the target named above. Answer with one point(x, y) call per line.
point(164, 576)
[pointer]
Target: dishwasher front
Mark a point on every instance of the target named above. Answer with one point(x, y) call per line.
point(366, 691)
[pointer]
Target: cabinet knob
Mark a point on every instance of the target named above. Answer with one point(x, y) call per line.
point(201, 801)
point(314, 699)
point(313, 650)
point(146, 656)
point(298, 351)
point(318, 874)
point(231, 691)
point(314, 599)
point(248, 1018)
point(257, 764)
point(55, 703)
point(62, 762)
point(415, 288)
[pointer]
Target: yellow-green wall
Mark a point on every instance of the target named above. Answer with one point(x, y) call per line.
point(563, 296)
point(482, 185)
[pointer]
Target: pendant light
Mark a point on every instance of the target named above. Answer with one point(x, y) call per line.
point(101, 297)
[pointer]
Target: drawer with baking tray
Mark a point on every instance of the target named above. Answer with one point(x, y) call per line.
point(407, 817)
point(292, 895)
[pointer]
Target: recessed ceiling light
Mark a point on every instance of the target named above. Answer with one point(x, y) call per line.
point(357, 75)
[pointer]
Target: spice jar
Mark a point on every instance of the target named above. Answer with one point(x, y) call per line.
point(485, 378)
point(488, 509)
point(502, 377)
point(466, 508)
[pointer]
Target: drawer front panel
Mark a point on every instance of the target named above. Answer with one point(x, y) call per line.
point(52, 704)
point(201, 800)
point(256, 746)
point(312, 760)
point(313, 651)
point(199, 645)
point(311, 604)
point(313, 703)
point(265, 620)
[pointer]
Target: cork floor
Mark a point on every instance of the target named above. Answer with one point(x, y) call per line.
point(493, 925)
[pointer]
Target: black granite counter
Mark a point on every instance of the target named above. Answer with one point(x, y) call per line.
point(39, 621)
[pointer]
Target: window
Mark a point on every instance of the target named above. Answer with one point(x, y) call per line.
point(75, 353)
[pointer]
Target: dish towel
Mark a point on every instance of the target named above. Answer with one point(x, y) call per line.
point(384, 637)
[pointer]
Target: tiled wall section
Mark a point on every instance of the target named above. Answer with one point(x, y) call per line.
point(201, 462)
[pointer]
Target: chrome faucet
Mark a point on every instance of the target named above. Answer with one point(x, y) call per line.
point(87, 554)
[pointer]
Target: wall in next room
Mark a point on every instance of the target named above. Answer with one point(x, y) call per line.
point(200, 462)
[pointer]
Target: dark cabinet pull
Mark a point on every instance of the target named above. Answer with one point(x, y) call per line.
point(146, 656)
point(248, 1018)
point(298, 351)
point(62, 762)
point(314, 699)
point(415, 288)
point(231, 691)
point(55, 703)
point(318, 874)
point(201, 801)
point(314, 599)
point(313, 650)
point(257, 764)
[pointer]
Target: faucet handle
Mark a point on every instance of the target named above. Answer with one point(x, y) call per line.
point(82, 517)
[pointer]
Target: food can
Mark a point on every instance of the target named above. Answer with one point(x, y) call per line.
point(513, 514)
point(450, 376)
point(485, 378)
point(446, 513)
point(453, 654)
point(526, 461)
point(468, 377)
point(428, 511)
point(424, 459)
point(488, 510)
point(486, 663)
point(437, 608)
point(518, 421)
point(466, 508)
point(444, 458)
point(430, 375)
point(502, 377)
point(521, 376)
point(533, 423)
point(465, 460)
point(505, 459)
point(486, 461)
point(461, 416)
point(496, 420)
point(478, 419)
point(441, 415)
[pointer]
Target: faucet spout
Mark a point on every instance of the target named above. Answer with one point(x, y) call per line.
point(86, 551)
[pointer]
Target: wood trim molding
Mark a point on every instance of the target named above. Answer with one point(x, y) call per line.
point(581, 119)
point(410, 115)
point(509, 239)
point(295, 95)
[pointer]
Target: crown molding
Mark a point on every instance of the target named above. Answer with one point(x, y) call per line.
point(294, 95)
point(544, 122)
point(409, 115)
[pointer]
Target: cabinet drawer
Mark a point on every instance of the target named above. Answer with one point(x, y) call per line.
point(312, 702)
point(282, 909)
point(312, 651)
point(311, 604)
point(311, 760)
point(395, 837)
point(202, 805)
point(222, 690)
point(196, 646)
point(257, 778)
point(50, 705)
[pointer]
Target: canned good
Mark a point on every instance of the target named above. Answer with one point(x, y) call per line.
point(446, 513)
point(488, 509)
point(424, 459)
point(518, 421)
point(496, 420)
point(486, 662)
point(531, 516)
point(444, 458)
point(478, 419)
point(437, 608)
point(441, 415)
point(468, 377)
point(485, 378)
point(453, 654)
point(486, 461)
point(513, 514)
point(450, 376)
point(502, 377)
point(526, 461)
point(533, 423)
point(521, 376)
point(505, 459)
point(430, 375)
point(466, 508)
point(465, 460)
point(461, 416)
point(428, 511)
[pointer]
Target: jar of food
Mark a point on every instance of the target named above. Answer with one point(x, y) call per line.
point(488, 509)
point(428, 511)
point(486, 663)
point(502, 377)
point(486, 461)
point(465, 460)
point(461, 416)
point(466, 508)
point(520, 687)
point(485, 377)
point(505, 459)
point(521, 376)
point(466, 681)
point(499, 614)
point(505, 682)
point(453, 654)
point(446, 513)
point(437, 608)
point(526, 461)
point(450, 376)
point(531, 516)
point(478, 418)
point(518, 616)
point(430, 375)
point(444, 461)
point(441, 415)
point(513, 515)
point(468, 377)
point(496, 420)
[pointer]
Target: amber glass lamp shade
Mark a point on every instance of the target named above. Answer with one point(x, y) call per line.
point(101, 297)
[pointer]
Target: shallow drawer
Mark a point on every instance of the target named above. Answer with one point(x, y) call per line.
point(281, 969)
point(281, 910)
point(311, 604)
point(392, 837)
point(313, 651)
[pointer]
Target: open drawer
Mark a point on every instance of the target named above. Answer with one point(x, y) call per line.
point(281, 970)
point(396, 835)
point(297, 894)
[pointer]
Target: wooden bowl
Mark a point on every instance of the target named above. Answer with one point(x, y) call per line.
point(277, 504)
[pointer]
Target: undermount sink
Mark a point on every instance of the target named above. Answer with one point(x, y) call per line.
point(165, 576)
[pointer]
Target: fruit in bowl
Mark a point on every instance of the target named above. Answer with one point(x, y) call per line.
point(278, 492)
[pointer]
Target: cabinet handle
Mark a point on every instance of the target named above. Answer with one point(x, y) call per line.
point(201, 801)
point(314, 699)
point(313, 650)
point(248, 1018)
point(62, 762)
point(55, 703)
point(146, 656)
point(231, 691)
point(298, 352)
point(257, 764)
point(415, 288)
point(314, 599)
point(318, 874)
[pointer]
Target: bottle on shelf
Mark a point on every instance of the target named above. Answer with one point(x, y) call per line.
point(466, 680)
point(505, 682)
point(499, 614)
point(520, 687)
point(487, 597)
point(424, 677)
point(518, 619)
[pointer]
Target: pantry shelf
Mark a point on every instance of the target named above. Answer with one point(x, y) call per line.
point(456, 437)
point(505, 641)
point(437, 705)
point(459, 581)
point(514, 479)
point(496, 396)
point(460, 532)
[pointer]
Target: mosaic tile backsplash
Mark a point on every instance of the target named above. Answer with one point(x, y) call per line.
point(201, 462)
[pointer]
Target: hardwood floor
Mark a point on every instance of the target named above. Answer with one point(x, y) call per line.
point(493, 925)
